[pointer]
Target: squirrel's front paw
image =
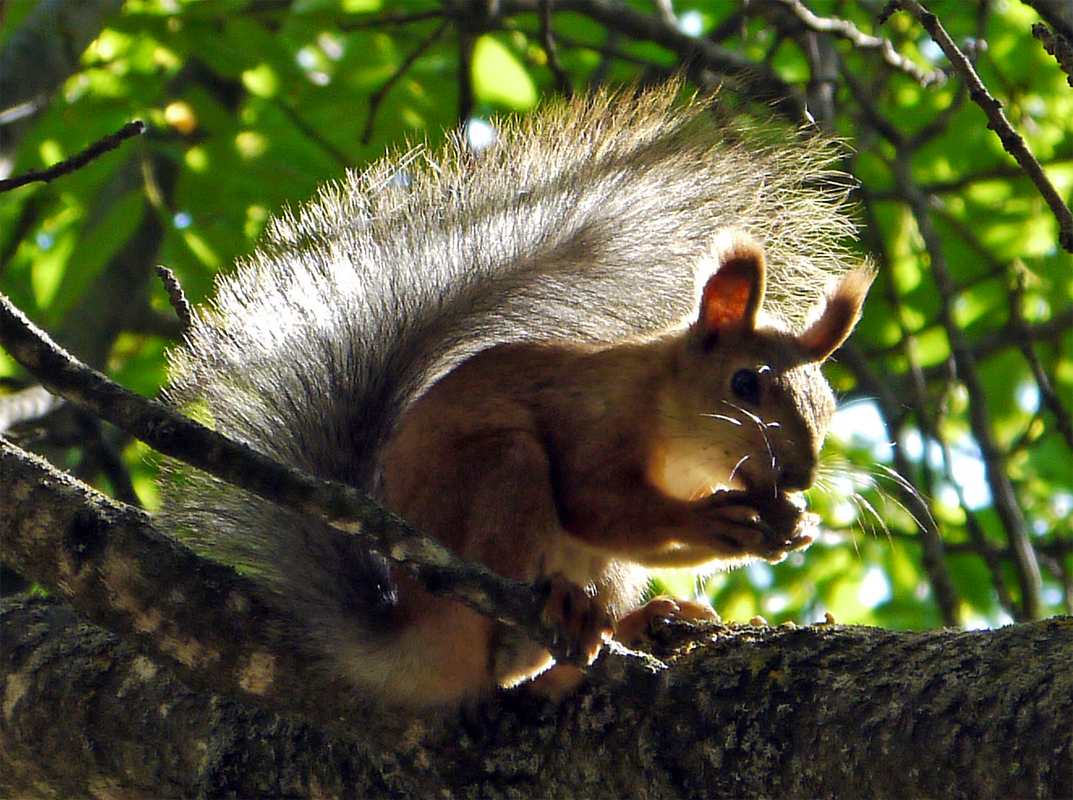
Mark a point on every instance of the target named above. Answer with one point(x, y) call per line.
point(578, 617)
point(768, 526)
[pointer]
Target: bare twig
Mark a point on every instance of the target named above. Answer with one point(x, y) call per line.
point(78, 161)
point(1058, 46)
point(999, 172)
point(996, 119)
point(995, 341)
point(990, 554)
point(31, 403)
point(843, 29)
point(693, 53)
point(891, 407)
point(391, 20)
point(998, 480)
point(933, 547)
point(467, 101)
point(314, 134)
point(377, 97)
point(23, 110)
point(1023, 333)
point(619, 18)
point(176, 296)
point(547, 39)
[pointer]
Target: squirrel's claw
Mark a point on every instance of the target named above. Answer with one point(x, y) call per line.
point(577, 616)
point(635, 624)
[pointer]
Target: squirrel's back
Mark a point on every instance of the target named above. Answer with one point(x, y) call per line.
point(587, 221)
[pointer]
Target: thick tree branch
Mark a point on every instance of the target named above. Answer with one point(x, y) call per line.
point(822, 711)
point(109, 562)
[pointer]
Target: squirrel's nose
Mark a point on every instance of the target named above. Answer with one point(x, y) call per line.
point(797, 477)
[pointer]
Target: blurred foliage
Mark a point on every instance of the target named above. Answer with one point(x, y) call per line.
point(252, 105)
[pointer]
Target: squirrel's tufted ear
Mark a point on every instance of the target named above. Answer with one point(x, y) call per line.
point(733, 295)
point(839, 316)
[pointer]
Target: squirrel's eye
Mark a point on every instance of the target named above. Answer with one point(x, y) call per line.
point(746, 386)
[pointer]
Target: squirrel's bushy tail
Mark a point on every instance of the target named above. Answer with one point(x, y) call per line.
point(586, 221)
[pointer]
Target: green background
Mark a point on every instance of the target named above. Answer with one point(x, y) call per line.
point(252, 105)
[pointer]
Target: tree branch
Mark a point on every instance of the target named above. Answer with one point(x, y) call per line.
point(1023, 332)
point(843, 29)
point(75, 162)
point(996, 119)
point(693, 53)
point(1058, 46)
point(820, 711)
point(377, 97)
point(109, 562)
point(352, 512)
point(1002, 493)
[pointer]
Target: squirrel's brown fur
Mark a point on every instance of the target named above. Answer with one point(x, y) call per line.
point(556, 359)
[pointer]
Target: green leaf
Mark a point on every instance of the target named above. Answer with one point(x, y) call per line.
point(96, 246)
point(499, 79)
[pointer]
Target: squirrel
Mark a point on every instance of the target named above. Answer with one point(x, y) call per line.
point(570, 357)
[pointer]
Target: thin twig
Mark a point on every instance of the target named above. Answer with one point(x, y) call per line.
point(917, 487)
point(391, 19)
point(176, 296)
point(993, 342)
point(315, 135)
point(30, 403)
point(377, 97)
point(931, 540)
point(844, 29)
point(933, 548)
point(999, 172)
point(1049, 397)
point(547, 39)
point(95, 150)
point(1002, 493)
point(983, 548)
point(693, 53)
point(992, 556)
point(996, 118)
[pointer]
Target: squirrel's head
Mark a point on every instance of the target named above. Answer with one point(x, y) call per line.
point(748, 406)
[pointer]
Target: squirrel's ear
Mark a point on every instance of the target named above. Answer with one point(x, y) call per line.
point(733, 294)
point(839, 316)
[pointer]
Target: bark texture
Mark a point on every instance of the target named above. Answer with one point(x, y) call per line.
point(734, 711)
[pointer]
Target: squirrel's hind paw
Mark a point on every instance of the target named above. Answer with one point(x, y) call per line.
point(634, 625)
point(574, 614)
